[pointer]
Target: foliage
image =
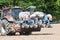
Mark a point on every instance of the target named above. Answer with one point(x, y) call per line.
point(47, 6)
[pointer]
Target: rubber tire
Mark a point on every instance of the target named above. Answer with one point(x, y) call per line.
point(26, 33)
point(11, 33)
point(39, 27)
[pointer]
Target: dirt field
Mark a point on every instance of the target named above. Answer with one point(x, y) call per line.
point(44, 34)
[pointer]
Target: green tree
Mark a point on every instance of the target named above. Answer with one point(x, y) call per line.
point(47, 6)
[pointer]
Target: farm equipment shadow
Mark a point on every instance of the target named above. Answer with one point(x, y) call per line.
point(43, 34)
point(33, 34)
point(38, 34)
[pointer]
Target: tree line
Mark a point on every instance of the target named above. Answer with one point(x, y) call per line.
point(46, 6)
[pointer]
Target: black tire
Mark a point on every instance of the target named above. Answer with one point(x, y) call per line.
point(22, 33)
point(11, 33)
point(39, 26)
point(25, 33)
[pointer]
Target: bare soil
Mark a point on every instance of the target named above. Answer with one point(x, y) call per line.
point(45, 34)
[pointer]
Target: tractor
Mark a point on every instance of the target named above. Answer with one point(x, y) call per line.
point(10, 23)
